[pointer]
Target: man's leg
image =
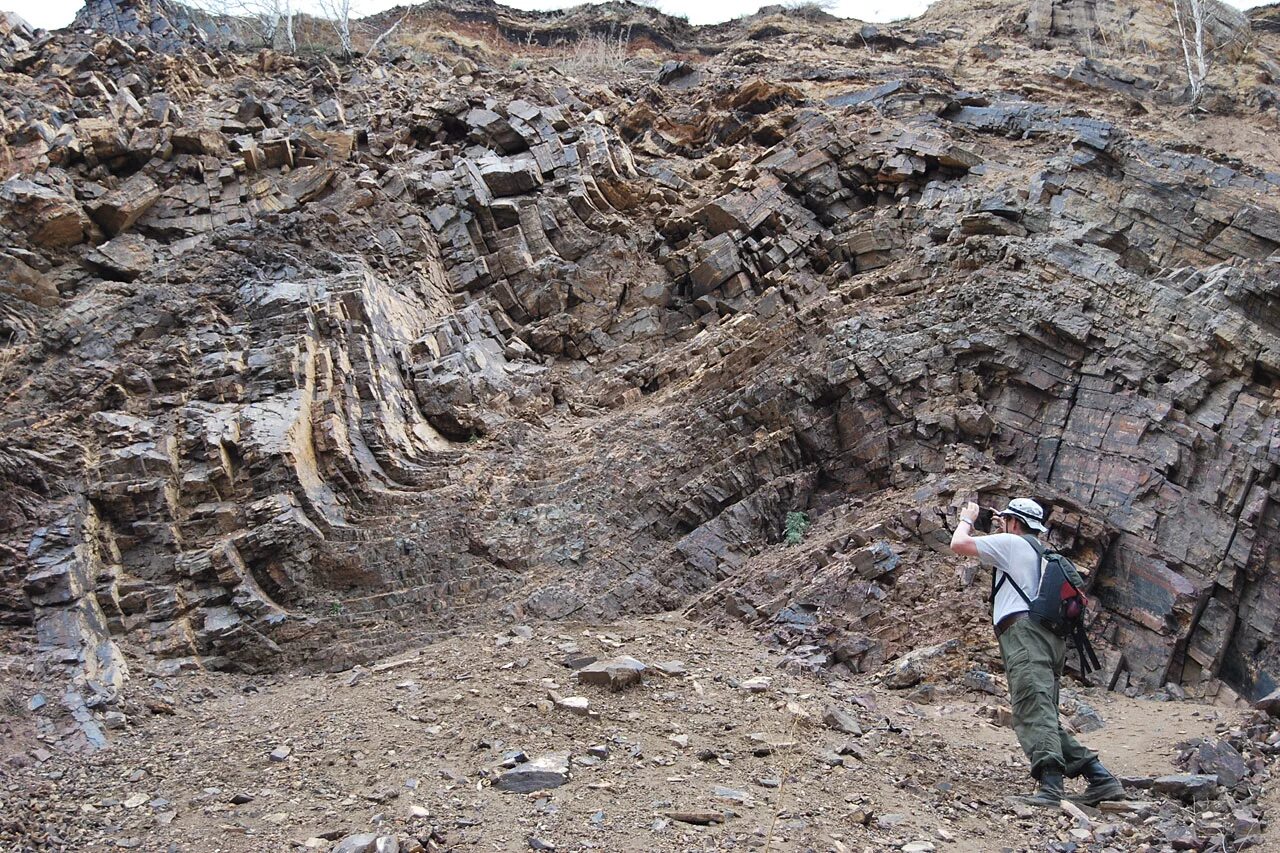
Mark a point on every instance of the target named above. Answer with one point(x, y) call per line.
point(1079, 760)
point(1075, 755)
point(1029, 654)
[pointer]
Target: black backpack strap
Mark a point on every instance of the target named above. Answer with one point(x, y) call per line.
point(995, 586)
point(1088, 657)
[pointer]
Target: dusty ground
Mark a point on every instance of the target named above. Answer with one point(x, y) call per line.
point(429, 729)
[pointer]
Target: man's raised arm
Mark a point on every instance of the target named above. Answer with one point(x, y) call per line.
point(962, 541)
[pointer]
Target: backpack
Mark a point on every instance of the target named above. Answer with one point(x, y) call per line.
point(1059, 603)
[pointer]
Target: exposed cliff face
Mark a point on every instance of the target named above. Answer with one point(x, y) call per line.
point(305, 362)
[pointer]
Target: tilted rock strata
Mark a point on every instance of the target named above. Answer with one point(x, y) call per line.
point(315, 360)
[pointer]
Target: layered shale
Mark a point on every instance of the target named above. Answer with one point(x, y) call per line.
point(308, 358)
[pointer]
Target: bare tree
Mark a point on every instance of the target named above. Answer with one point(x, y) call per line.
point(373, 49)
point(275, 19)
point(1190, 18)
point(339, 14)
point(285, 15)
point(249, 20)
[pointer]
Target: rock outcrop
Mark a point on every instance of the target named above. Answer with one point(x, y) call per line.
point(304, 361)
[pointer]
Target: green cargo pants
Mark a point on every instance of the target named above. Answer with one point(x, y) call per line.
point(1033, 659)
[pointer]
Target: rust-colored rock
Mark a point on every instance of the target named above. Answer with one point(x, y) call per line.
point(119, 209)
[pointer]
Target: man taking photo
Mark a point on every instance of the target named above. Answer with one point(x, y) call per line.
point(1033, 655)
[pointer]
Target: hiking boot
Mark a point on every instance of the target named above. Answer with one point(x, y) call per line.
point(1102, 786)
point(1048, 794)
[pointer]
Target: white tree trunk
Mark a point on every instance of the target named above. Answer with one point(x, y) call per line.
point(290, 40)
point(1189, 15)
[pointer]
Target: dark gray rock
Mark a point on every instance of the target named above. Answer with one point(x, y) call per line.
point(841, 720)
point(545, 771)
point(1220, 759)
point(1187, 786)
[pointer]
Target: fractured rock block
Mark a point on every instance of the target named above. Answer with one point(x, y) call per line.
point(124, 258)
point(741, 211)
point(25, 283)
point(487, 127)
point(119, 209)
point(103, 136)
point(307, 183)
point(508, 177)
point(50, 219)
point(719, 261)
point(200, 140)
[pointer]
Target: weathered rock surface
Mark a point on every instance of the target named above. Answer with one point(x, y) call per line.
point(546, 771)
point(304, 361)
point(615, 673)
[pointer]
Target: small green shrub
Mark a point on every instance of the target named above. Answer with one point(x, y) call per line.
point(796, 525)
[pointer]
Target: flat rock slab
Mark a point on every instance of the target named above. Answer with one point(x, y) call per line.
point(545, 771)
point(616, 673)
point(1126, 806)
point(1187, 786)
point(842, 721)
point(368, 842)
point(1221, 759)
point(697, 818)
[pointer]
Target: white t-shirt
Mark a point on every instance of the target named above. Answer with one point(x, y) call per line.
point(1013, 556)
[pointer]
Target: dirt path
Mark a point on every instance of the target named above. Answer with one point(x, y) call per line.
point(412, 745)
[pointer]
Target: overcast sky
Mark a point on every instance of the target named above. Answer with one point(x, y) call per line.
point(58, 13)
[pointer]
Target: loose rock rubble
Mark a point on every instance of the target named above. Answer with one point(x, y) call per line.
point(456, 746)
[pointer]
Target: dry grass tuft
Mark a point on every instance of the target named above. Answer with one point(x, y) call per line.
point(11, 704)
point(597, 54)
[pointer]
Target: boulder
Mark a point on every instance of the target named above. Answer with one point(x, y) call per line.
point(842, 721)
point(982, 681)
point(672, 69)
point(904, 673)
point(1221, 759)
point(1270, 703)
point(616, 673)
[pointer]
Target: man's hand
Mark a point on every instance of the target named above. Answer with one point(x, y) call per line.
point(962, 541)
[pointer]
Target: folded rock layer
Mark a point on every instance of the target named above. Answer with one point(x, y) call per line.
point(306, 360)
